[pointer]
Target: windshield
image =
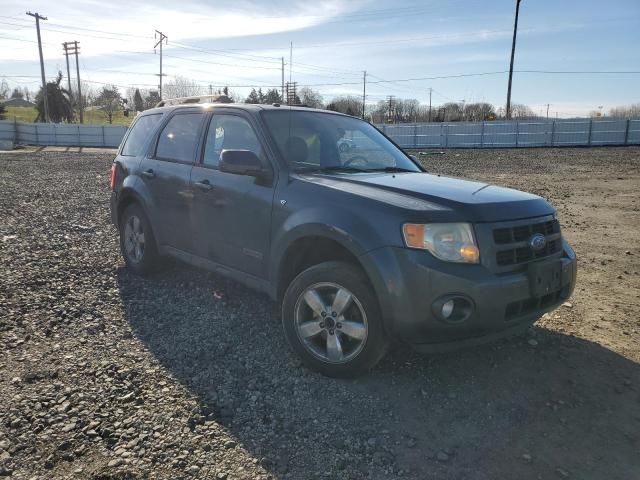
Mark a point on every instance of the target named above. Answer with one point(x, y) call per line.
point(329, 142)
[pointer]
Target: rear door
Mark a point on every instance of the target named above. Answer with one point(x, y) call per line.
point(232, 213)
point(166, 172)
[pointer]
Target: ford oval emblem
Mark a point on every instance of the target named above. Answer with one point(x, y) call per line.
point(537, 242)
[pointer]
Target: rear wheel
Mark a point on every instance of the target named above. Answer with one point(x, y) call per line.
point(332, 320)
point(137, 243)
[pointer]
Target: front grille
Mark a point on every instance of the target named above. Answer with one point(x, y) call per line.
point(522, 233)
point(513, 249)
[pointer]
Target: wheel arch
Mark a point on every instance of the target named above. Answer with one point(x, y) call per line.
point(130, 193)
point(307, 250)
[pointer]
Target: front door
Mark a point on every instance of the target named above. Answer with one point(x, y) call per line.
point(166, 172)
point(231, 213)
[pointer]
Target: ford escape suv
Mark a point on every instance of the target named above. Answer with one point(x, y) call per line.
point(360, 246)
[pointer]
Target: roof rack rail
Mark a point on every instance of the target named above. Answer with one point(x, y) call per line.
point(197, 99)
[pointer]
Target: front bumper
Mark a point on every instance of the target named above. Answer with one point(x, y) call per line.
point(408, 282)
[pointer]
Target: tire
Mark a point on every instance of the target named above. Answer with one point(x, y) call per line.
point(144, 258)
point(341, 335)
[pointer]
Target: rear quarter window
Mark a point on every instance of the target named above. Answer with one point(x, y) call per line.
point(141, 130)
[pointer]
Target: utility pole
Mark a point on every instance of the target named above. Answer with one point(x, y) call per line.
point(390, 118)
point(66, 56)
point(163, 38)
point(74, 48)
point(364, 91)
point(548, 111)
point(282, 91)
point(513, 52)
point(430, 90)
point(291, 92)
point(290, 61)
point(39, 17)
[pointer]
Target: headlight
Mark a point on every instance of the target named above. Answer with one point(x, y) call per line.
point(451, 242)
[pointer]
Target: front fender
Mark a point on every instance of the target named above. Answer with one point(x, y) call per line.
point(351, 231)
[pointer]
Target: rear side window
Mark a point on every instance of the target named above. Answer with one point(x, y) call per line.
point(179, 138)
point(140, 132)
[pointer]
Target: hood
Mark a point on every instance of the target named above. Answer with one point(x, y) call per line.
point(477, 202)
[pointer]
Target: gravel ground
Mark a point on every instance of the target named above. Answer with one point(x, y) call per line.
point(187, 375)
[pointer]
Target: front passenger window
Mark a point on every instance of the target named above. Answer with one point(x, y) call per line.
point(229, 132)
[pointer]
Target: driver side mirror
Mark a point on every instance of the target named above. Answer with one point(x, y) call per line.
point(242, 162)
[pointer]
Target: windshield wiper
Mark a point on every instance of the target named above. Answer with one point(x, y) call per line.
point(391, 169)
point(333, 168)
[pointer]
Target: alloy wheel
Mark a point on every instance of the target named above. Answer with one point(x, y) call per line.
point(331, 322)
point(134, 239)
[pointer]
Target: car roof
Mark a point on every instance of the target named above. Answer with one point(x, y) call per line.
point(248, 107)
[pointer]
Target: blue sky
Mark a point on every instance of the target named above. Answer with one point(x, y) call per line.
point(240, 43)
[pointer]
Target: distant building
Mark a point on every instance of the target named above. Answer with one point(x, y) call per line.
point(17, 102)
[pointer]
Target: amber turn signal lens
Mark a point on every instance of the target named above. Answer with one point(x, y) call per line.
point(413, 235)
point(470, 253)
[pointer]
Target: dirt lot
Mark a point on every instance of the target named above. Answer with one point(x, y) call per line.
point(187, 375)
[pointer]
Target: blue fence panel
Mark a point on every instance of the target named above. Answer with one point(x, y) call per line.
point(500, 134)
point(62, 134)
point(516, 133)
point(608, 132)
point(633, 132)
point(489, 134)
point(534, 133)
point(428, 135)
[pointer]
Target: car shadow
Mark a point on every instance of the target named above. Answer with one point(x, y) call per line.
point(546, 405)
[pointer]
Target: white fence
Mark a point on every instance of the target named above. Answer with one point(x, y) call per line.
point(62, 134)
point(516, 133)
point(494, 134)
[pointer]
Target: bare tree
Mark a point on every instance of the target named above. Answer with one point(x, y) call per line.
point(4, 89)
point(521, 111)
point(17, 93)
point(151, 98)
point(310, 98)
point(349, 104)
point(181, 86)
point(630, 111)
point(476, 112)
point(452, 112)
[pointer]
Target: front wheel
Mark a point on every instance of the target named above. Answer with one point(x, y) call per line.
point(331, 319)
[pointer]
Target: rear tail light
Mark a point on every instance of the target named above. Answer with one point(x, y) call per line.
point(112, 181)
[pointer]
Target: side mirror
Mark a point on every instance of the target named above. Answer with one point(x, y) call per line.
point(241, 162)
point(414, 158)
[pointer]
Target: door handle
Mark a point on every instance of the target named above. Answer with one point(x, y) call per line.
point(204, 185)
point(149, 173)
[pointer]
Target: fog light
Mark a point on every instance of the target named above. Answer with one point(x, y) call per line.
point(447, 309)
point(453, 308)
